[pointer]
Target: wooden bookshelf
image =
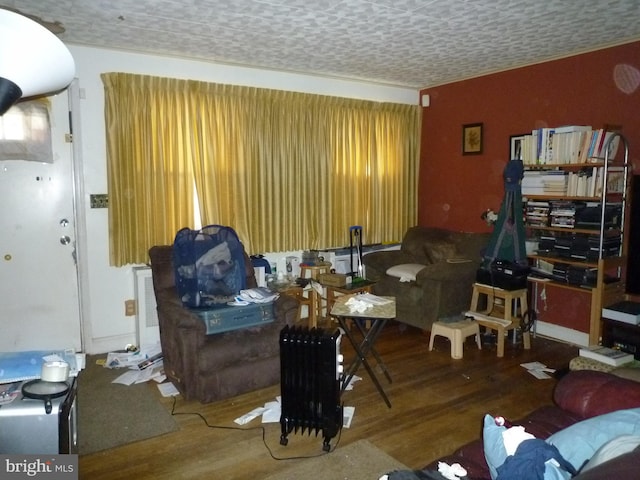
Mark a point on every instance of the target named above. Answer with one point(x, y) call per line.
point(608, 286)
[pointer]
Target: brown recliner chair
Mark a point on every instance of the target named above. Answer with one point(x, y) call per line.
point(217, 366)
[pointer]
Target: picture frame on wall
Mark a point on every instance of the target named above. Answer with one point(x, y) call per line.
point(516, 145)
point(472, 139)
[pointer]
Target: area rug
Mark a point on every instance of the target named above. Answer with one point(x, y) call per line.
point(110, 414)
point(358, 461)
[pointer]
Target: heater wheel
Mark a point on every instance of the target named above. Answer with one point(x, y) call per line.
point(284, 440)
point(326, 445)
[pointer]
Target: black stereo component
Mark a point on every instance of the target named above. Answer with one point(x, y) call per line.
point(621, 335)
point(504, 274)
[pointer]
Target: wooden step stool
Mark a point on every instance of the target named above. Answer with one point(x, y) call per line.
point(515, 305)
point(456, 332)
point(313, 300)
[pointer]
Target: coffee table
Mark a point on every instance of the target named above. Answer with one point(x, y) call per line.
point(378, 315)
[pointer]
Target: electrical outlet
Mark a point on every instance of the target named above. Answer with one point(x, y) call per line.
point(129, 308)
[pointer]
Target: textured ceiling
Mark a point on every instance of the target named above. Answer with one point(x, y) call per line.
point(408, 43)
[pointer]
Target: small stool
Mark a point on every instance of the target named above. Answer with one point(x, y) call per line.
point(308, 301)
point(508, 321)
point(316, 305)
point(456, 332)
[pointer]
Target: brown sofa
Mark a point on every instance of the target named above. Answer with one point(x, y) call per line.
point(443, 288)
point(214, 367)
point(579, 395)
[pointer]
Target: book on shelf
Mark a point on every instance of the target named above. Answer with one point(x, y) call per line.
point(596, 144)
point(607, 355)
point(625, 311)
point(571, 144)
point(615, 180)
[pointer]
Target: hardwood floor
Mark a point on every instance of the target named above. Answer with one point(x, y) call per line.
point(437, 405)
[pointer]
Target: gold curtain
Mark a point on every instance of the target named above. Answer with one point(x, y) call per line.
point(288, 171)
point(150, 174)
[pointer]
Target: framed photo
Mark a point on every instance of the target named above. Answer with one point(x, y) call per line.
point(516, 144)
point(472, 139)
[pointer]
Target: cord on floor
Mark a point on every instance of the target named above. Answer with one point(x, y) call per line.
point(261, 428)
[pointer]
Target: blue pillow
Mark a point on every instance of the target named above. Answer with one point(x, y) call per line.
point(494, 452)
point(579, 442)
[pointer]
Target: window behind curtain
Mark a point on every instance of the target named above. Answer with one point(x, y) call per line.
point(25, 132)
point(288, 171)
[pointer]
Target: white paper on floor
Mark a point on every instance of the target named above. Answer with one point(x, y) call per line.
point(271, 413)
point(168, 389)
point(351, 383)
point(538, 370)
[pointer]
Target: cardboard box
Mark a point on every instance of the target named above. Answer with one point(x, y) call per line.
point(333, 279)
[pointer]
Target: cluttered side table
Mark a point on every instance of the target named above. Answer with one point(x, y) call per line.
point(378, 311)
point(333, 292)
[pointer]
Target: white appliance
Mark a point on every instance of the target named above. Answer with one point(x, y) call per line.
point(28, 429)
point(340, 258)
point(147, 326)
point(292, 266)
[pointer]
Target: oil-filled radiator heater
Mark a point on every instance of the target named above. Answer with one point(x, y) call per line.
point(311, 369)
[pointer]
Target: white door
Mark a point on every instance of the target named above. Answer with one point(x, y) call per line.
point(39, 308)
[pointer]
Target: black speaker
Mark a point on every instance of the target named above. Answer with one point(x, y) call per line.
point(633, 258)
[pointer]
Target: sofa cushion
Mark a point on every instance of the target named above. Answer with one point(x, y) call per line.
point(630, 373)
point(440, 251)
point(406, 272)
point(579, 442)
point(612, 449)
point(597, 399)
point(623, 466)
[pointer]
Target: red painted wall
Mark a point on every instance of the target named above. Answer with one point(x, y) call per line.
point(596, 88)
point(587, 89)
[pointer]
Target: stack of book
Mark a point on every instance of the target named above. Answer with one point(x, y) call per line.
point(555, 183)
point(607, 355)
point(562, 214)
point(537, 213)
point(532, 182)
